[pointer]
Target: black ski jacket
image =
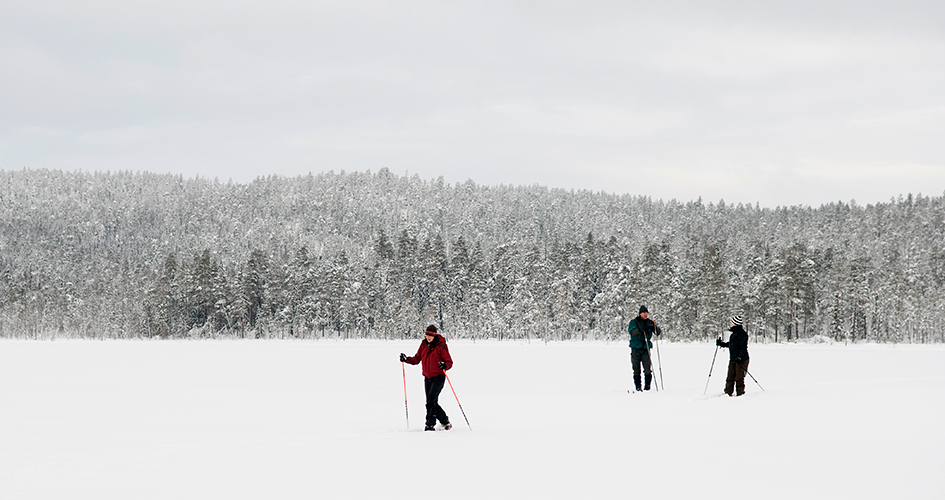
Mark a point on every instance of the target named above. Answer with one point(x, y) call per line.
point(737, 344)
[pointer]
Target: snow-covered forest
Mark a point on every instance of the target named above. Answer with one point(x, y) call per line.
point(378, 255)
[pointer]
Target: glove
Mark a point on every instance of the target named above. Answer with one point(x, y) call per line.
point(718, 342)
point(403, 357)
point(442, 365)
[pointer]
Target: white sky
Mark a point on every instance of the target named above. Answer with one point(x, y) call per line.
point(801, 102)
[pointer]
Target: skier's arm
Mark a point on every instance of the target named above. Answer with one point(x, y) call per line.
point(719, 342)
point(445, 358)
point(415, 359)
point(651, 330)
point(739, 348)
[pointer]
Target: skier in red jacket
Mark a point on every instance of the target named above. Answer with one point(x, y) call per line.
point(434, 359)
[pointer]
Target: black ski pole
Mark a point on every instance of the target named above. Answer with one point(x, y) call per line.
point(710, 370)
point(750, 375)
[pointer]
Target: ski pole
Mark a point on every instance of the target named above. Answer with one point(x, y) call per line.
point(750, 375)
point(457, 399)
point(646, 343)
point(659, 362)
point(406, 413)
point(710, 370)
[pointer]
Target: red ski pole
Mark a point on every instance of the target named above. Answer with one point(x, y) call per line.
point(457, 399)
point(406, 414)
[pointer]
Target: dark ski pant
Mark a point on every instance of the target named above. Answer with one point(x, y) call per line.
point(432, 387)
point(640, 357)
point(735, 382)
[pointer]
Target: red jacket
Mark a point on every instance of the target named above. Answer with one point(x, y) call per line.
point(429, 356)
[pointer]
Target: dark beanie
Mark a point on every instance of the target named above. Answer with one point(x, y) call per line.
point(737, 320)
point(643, 309)
point(431, 330)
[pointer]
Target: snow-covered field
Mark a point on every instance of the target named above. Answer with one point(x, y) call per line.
point(228, 419)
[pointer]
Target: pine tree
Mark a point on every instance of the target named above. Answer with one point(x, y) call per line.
point(253, 289)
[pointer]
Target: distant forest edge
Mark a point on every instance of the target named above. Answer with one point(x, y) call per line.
point(377, 255)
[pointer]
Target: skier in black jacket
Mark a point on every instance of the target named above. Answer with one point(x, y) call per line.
point(737, 357)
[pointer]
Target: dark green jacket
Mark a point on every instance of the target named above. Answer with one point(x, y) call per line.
point(639, 327)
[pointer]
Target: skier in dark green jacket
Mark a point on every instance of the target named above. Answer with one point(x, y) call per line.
point(641, 330)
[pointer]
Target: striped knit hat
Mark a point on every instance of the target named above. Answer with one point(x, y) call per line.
point(737, 320)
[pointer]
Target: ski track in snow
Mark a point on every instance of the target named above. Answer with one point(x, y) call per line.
point(271, 419)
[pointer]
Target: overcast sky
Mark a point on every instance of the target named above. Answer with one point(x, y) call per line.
point(782, 103)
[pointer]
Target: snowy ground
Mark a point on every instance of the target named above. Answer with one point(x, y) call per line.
point(229, 419)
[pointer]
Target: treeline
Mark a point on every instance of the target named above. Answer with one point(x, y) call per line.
point(380, 256)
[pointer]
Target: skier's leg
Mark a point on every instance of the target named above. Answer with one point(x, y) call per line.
point(428, 386)
point(740, 378)
point(730, 379)
point(635, 360)
point(647, 373)
point(435, 390)
point(442, 416)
